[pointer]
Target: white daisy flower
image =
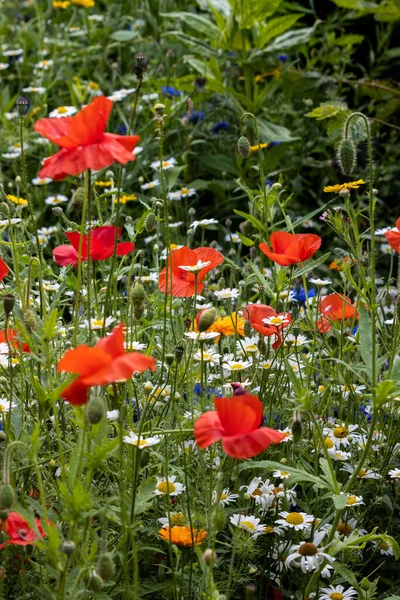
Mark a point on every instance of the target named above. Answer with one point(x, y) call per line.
point(363, 473)
point(341, 434)
point(277, 320)
point(4, 66)
point(337, 593)
point(236, 365)
point(34, 90)
point(353, 500)
point(113, 415)
point(55, 200)
point(5, 222)
point(166, 164)
point(11, 115)
point(141, 443)
point(227, 293)
point(295, 520)
point(195, 268)
point(63, 111)
point(320, 282)
point(233, 237)
point(394, 473)
point(39, 181)
point(203, 336)
point(253, 490)
point(308, 556)
point(339, 454)
point(203, 223)
point(182, 193)
point(208, 356)
point(98, 323)
point(16, 52)
point(249, 345)
point(346, 527)
point(44, 64)
point(225, 497)
point(248, 522)
point(11, 155)
point(296, 340)
point(170, 487)
point(384, 548)
point(176, 519)
point(150, 185)
point(287, 433)
point(5, 405)
point(135, 346)
point(281, 474)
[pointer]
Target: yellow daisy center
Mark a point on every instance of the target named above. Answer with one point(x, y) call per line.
point(257, 492)
point(166, 487)
point(2, 407)
point(98, 323)
point(336, 596)
point(329, 443)
point(248, 525)
point(184, 190)
point(268, 529)
point(223, 497)
point(384, 546)
point(62, 110)
point(294, 518)
point(352, 500)
point(340, 432)
point(362, 473)
point(344, 529)
point(178, 519)
point(142, 443)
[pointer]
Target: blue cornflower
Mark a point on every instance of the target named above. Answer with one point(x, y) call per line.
point(217, 127)
point(169, 90)
point(211, 392)
point(196, 116)
point(283, 58)
point(300, 294)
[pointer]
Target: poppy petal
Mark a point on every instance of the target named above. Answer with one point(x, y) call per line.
point(84, 360)
point(77, 393)
point(113, 344)
point(180, 287)
point(124, 248)
point(121, 367)
point(65, 255)
point(207, 429)
point(393, 238)
point(281, 259)
point(4, 270)
point(210, 255)
point(239, 414)
point(250, 444)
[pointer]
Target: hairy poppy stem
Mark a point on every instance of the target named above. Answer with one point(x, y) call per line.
point(79, 274)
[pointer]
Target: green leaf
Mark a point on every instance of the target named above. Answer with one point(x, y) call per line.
point(295, 474)
point(349, 40)
point(144, 495)
point(245, 240)
point(365, 329)
point(328, 475)
point(340, 501)
point(250, 11)
point(326, 110)
point(198, 22)
point(270, 132)
point(50, 325)
point(124, 35)
point(311, 265)
point(276, 27)
point(287, 40)
point(219, 162)
point(345, 573)
point(253, 220)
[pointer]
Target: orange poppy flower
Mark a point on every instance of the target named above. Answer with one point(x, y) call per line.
point(267, 321)
point(183, 535)
point(83, 141)
point(393, 237)
point(289, 248)
point(237, 422)
point(12, 337)
point(3, 269)
point(186, 265)
point(334, 307)
point(106, 362)
point(19, 532)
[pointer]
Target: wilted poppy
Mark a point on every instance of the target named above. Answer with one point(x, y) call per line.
point(334, 307)
point(289, 248)
point(186, 266)
point(102, 242)
point(106, 362)
point(19, 532)
point(393, 237)
point(237, 422)
point(83, 141)
point(267, 321)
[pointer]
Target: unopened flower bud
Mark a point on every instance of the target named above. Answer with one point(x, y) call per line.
point(22, 106)
point(243, 146)
point(228, 222)
point(246, 227)
point(375, 192)
point(148, 387)
point(179, 353)
point(67, 547)
point(247, 328)
point(192, 211)
point(96, 582)
point(365, 584)
point(95, 410)
point(206, 318)
point(150, 222)
point(138, 294)
point(8, 304)
point(109, 175)
point(262, 346)
point(57, 211)
point(283, 461)
point(347, 156)
point(170, 359)
point(7, 496)
point(105, 567)
point(77, 198)
point(3, 436)
point(209, 557)
point(344, 193)
point(297, 428)
point(30, 320)
point(277, 186)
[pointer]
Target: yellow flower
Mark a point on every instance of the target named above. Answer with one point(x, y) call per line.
point(61, 4)
point(104, 184)
point(183, 536)
point(258, 147)
point(84, 3)
point(125, 198)
point(19, 201)
point(338, 187)
point(93, 86)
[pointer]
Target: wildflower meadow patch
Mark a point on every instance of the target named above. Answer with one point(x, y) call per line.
point(199, 326)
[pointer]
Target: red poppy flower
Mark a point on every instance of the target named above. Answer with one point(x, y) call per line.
point(3, 269)
point(12, 336)
point(185, 263)
point(267, 321)
point(83, 141)
point(19, 532)
point(289, 248)
point(106, 362)
point(102, 241)
point(334, 307)
point(393, 237)
point(237, 422)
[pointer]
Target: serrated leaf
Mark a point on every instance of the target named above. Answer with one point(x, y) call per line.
point(250, 11)
point(326, 110)
point(50, 326)
point(199, 23)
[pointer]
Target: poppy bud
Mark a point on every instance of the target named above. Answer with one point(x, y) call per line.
point(209, 557)
point(57, 211)
point(247, 328)
point(221, 283)
point(95, 410)
point(22, 106)
point(150, 222)
point(67, 547)
point(347, 156)
point(297, 428)
point(169, 359)
point(262, 346)
point(246, 227)
point(77, 198)
point(206, 318)
point(96, 582)
point(105, 567)
point(7, 496)
point(244, 146)
point(8, 303)
point(30, 320)
point(138, 294)
point(179, 353)
point(3, 514)
point(253, 253)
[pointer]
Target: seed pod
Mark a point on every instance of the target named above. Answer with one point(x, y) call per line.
point(67, 547)
point(30, 320)
point(7, 496)
point(95, 410)
point(206, 318)
point(96, 582)
point(150, 222)
point(105, 567)
point(243, 146)
point(57, 211)
point(77, 198)
point(347, 156)
point(8, 303)
point(140, 65)
point(22, 106)
point(179, 353)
